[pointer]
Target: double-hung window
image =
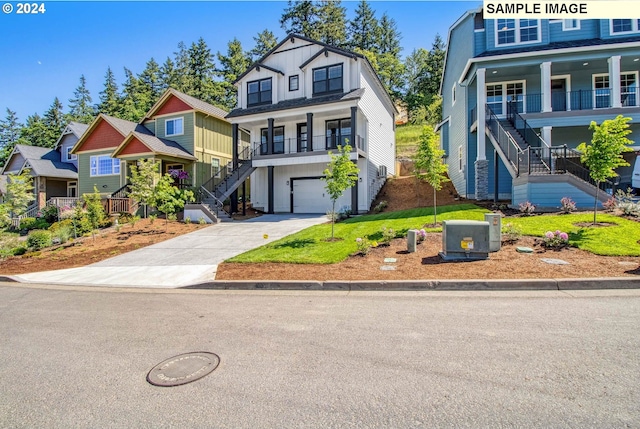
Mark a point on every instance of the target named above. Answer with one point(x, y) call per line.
point(259, 92)
point(515, 31)
point(104, 165)
point(338, 133)
point(174, 127)
point(278, 140)
point(327, 79)
point(70, 156)
point(622, 26)
point(570, 24)
point(501, 95)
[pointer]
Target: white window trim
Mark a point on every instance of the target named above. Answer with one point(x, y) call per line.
point(173, 119)
point(70, 156)
point(216, 173)
point(460, 159)
point(113, 160)
point(567, 78)
point(565, 28)
point(593, 86)
point(517, 33)
point(634, 28)
point(453, 94)
point(637, 86)
point(504, 94)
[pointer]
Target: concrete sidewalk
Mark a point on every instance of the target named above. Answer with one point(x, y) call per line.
point(185, 260)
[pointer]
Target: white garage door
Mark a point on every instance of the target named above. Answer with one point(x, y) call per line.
point(309, 196)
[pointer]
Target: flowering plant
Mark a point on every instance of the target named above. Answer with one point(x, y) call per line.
point(363, 245)
point(179, 174)
point(567, 205)
point(555, 240)
point(388, 234)
point(526, 208)
point(421, 234)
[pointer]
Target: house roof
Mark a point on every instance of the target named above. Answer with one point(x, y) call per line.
point(560, 45)
point(75, 128)
point(122, 126)
point(156, 145)
point(190, 101)
point(356, 94)
point(45, 162)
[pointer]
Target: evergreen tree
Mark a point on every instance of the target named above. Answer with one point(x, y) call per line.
point(200, 72)
point(80, 107)
point(150, 83)
point(332, 23)
point(181, 69)
point(54, 120)
point(232, 65)
point(389, 36)
point(363, 29)
point(168, 75)
point(300, 17)
point(265, 41)
point(134, 101)
point(34, 132)
point(414, 70)
point(434, 69)
point(9, 135)
point(109, 98)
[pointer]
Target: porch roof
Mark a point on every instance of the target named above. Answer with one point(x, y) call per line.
point(356, 94)
point(44, 162)
point(156, 145)
point(560, 45)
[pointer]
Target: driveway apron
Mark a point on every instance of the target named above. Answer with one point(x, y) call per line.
point(185, 260)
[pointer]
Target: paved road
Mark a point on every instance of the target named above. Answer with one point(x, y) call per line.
point(188, 259)
point(78, 358)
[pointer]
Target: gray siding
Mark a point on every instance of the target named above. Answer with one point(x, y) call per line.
point(67, 141)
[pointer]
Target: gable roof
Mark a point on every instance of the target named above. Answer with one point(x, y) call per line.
point(75, 128)
point(155, 144)
point(44, 162)
point(192, 102)
point(122, 126)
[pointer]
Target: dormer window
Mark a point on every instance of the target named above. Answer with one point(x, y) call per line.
point(515, 31)
point(259, 92)
point(70, 156)
point(327, 80)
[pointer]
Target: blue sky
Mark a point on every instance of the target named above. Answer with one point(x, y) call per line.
point(44, 55)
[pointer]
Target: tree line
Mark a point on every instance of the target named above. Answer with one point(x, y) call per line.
point(195, 70)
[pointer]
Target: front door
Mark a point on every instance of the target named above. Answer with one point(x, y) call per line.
point(559, 95)
point(72, 189)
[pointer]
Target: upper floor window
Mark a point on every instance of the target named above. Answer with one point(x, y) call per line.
point(514, 31)
point(104, 165)
point(294, 83)
point(70, 156)
point(174, 127)
point(570, 24)
point(259, 92)
point(327, 79)
point(621, 26)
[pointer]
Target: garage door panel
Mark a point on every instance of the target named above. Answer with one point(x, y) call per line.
point(310, 196)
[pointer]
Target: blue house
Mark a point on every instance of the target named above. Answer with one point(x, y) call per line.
point(519, 95)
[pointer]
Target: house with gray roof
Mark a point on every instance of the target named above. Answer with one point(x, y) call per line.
point(54, 170)
point(519, 96)
point(299, 102)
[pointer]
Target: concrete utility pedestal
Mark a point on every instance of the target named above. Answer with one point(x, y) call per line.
point(495, 230)
point(465, 240)
point(412, 239)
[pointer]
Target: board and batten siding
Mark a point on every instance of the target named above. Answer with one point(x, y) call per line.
point(105, 184)
point(380, 135)
point(185, 140)
point(460, 49)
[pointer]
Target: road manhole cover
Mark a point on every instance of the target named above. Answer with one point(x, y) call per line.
point(183, 369)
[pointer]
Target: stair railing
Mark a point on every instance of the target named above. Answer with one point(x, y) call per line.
point(517, 157)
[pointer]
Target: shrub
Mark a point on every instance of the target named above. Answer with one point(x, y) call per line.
point(421, 235)
point(363, 245)
point(187, 220)
point(625, 203)
point(388, 234)
point(39, 239)
point(380, 206)
point(18, 251)
point(64, 233)
point(133, 220)
point(610, 204)
point(49, 213)
point(567, 205)
point(526, 208)
point(332, 216)
point(555, 240)
point(28, 223)
point(202, 220)
point(511, 233)
point(152, 218)
point(172, 216)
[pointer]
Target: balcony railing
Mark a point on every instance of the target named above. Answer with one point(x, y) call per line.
point(318, 144)
point(562, 101)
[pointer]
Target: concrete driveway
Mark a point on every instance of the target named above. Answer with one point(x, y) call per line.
point(185, 260)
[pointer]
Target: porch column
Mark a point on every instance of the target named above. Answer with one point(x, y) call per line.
point(270, 136)
point(354, 194)
point(546, 136)
point(614, 80)
point(481, 95)
point(481, 165)
point(354, 123)
point(546, 86)
point(234, 145)
point(270, 188)
point(309, 132)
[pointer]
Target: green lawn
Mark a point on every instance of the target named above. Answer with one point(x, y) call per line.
point(620, 239)
point(310, 245)
point(407, 139)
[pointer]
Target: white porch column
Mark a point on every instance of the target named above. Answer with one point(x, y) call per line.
point(546, 136)
point(481, 95)
point(546, 86)
point(614, 80)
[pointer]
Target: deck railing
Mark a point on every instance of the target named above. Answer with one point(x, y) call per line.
point(317, 143)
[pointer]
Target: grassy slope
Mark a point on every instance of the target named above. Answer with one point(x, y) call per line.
point(407, 138)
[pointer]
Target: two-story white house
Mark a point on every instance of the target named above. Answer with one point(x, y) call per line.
point(518, 98)
point(300, 101)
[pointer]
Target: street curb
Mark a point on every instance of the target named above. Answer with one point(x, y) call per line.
point(8, 279)
point(418, 285)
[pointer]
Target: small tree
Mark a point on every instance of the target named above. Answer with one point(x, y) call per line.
point(604, 154)
point(428, 165)
point(95, 210)
point(168, 199)
point(340, 175)
point(19, 192)
point(143, 177)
